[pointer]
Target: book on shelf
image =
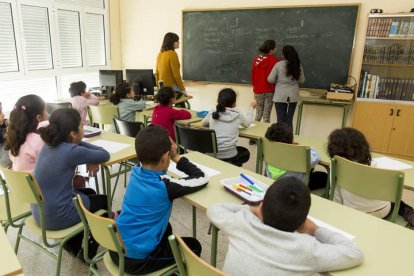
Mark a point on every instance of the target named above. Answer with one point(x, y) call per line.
point(390, 27)
point(377, 87)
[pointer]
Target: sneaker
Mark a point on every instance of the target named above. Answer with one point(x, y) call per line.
point(252, 142)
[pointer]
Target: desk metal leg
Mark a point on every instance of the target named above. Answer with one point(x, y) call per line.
point(194, 222)
point(108, 189)
point(259, 154)
point(214, 239)
point(345, 114)
point(299, 118)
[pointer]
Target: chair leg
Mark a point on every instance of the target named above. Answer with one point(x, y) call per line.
point(16, 246)
point(194, 222)
point(59, 258)
point(214, 237)
point(97, 185)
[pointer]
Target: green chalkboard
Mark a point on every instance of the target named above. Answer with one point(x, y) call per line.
point(219, 45)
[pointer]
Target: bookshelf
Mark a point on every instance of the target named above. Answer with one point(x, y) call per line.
point(384, 105)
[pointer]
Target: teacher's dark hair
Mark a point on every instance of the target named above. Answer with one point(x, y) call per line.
point(226, 98)
point(61, 123)
point(168, 42)
point(267, 46)
point(293, 62)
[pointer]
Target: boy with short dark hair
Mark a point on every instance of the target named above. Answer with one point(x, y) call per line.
point(146, 209)
point(277, 238)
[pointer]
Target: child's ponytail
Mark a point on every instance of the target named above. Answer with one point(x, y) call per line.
point(226, 98)
point(23, 120)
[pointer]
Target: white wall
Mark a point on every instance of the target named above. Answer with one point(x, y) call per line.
point(144, 23)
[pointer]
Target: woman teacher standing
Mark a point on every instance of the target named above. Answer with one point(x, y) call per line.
point(168, 65)
point(287, 74)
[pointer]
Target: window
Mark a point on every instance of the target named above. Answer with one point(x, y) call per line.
point(37, 37)
point(85, 3)
point(95, 39)
point(8, 50)
point(91, 80)
point(70, 39)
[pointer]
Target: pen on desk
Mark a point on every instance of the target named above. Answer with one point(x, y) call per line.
point(250, 181)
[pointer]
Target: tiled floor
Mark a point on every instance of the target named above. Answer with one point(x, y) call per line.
point(35, 263)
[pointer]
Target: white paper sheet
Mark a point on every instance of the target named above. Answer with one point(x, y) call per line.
point(207, 171)
point(391, 164)
point(110, 146)
point(332, 228)
point(251, 125)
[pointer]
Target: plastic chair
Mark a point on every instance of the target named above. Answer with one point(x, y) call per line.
point(196, 139)
point(51, 107)
point(188, 263)
point(27, 191)
point(11, 212)
point(288, 157)
point(102, 115)
point(105, 232)
point(127, 128)
point(369, 182)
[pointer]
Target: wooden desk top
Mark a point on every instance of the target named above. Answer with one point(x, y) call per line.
point(194, 118)
point(387, 247)
point(121, 155)
point(9, 264)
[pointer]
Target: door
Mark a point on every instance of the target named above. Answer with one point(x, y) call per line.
point(402, 131)
point(375, 121)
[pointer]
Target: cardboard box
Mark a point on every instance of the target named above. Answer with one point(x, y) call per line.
point(347, 97)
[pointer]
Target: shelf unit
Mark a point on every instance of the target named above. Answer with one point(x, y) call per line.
point(385, 100)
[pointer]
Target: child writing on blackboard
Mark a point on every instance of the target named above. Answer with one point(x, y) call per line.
point(124, 98)
point(351, 144)
point(263, 90)
point(225, 120)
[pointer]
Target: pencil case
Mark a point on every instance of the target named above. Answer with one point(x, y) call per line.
point(241, 188)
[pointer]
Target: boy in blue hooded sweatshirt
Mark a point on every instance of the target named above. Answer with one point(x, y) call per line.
point(146, 208)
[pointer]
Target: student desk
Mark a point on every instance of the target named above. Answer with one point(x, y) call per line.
point(324, 102)
point(9, 264)
point(115, 158)
point(387, 247)
point(194, 118)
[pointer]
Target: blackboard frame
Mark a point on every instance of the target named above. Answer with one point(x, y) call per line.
point(350, 66)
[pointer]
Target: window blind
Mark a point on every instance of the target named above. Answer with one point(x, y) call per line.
point(91, 80)
point(8, 51)
point(87, 3)
point(95, 39)
point(37, 37)
point(69, 38)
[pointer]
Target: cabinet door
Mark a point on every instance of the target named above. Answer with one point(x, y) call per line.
point(402, 132)
point(375, 121)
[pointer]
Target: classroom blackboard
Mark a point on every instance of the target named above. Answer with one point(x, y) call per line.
point(219, 45)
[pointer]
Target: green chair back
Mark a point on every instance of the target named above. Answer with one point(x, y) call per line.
point(188, 263)
point(102, 115)
point(367, 181)
point(289, 157)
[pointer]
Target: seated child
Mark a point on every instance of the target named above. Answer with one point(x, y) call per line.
point(164, 114)
point(225, 120)
point(146, 208)
point(4, 155)
point(277, 238)
point(124, 98)
point(22, 138)
point(351, 144)
point(81, 99)
point(281, 132)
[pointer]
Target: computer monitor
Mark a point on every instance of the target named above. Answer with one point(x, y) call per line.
point(109, 79)
point(142, 80)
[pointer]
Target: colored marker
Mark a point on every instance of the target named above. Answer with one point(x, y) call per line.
point(238, 188)
point(241, 185)
point(250, 181)
point(254, 188)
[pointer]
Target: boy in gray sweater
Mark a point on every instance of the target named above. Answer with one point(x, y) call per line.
point(276, 238)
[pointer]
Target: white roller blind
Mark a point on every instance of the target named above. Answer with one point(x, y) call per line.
point(37, 37)
point(85, 3)
point(8, 53)
point(95, 39)
point(90, 79)
point(69, 38)
point(11, 91)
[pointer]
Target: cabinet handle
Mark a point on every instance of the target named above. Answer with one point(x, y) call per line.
point(398, 112)
point(391, 111)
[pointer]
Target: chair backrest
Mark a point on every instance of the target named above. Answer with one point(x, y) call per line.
point(11, 206)
point(289, 157)
point(367, 181)
point(197, 139)
point(102, 114)
point(54, 106)
point(127, 128)
point(188, 263)
point(103, 229)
